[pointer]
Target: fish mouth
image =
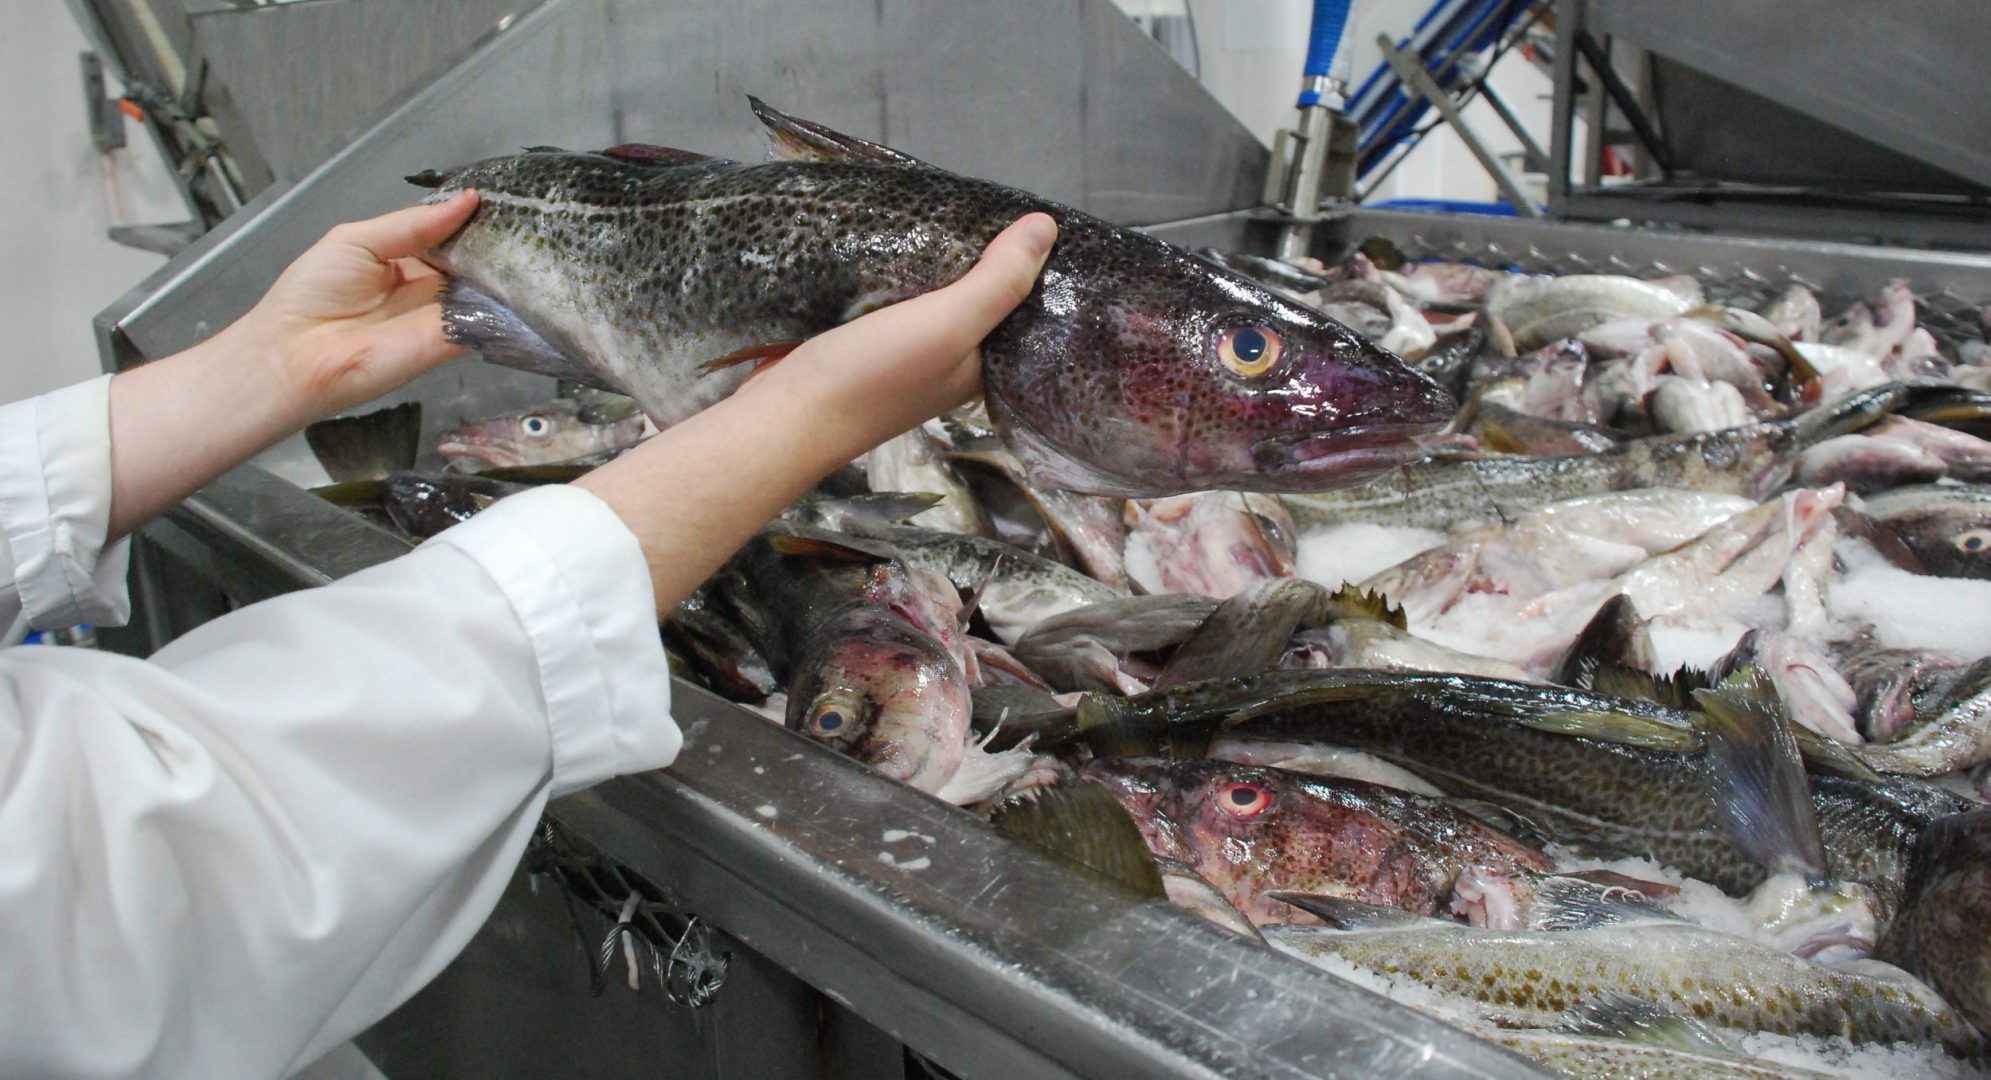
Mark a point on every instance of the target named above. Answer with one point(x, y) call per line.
point(1367, 450)
point(491, 454)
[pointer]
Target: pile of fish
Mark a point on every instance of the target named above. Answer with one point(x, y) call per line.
point(1641, 725)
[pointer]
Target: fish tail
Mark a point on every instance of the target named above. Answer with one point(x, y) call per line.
point(371, 446)
point(1756, 775)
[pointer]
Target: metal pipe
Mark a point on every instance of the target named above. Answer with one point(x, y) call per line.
point(1320, 105)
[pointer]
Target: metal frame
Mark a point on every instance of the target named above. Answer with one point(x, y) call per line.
point(1925, 135)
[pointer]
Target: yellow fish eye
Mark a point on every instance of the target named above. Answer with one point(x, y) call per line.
point(1249, 350)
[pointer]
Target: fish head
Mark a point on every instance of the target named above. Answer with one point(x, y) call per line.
point(547, 432)
point(1135, 369)
point(1949, 531)
point(1246, 828)
point(872, 686)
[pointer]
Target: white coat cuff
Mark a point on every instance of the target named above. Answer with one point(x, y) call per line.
point(576, 577)
point(55, 507)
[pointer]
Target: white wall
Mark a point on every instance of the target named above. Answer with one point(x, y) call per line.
point(1251, 52)
point(57, 196)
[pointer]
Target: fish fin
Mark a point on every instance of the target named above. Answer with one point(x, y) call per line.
point(1351, 601)
point(972, 602)
point(768, 353)
point(1826, 754)
point(1615, 635)
point(1569, 902)
point(1616, 1014)
point(1245, 634)
point(1628, 723)
point(1674, 691)
point(1082, 824)
point(1193, 892)
point(797, 541)
point(611, 410)
point(1110, 727)
point(477, 320)
point(370, 446)
point(646, 154)
point(1349, 914)
point(796, 139)
point(870, 508)
point(1494, 436)
point(542, 148)
point(353, 494)
point(429, 178)
point(1760, 791)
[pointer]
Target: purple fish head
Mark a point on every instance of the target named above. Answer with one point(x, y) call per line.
point(873, 687)
point(1137, 370)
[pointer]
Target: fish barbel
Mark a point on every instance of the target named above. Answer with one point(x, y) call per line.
point(1133, 368)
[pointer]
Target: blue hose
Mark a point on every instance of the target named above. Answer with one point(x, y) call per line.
point(1330, 17)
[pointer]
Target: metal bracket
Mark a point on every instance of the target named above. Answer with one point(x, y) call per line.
point(1410, 70)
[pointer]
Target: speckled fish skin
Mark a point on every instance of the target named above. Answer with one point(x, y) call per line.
point(1944, 931)
point(1530, 979)
point(1340, 838)
point(1485, 739)
point(1753, 460)
point(1106, 380)
point(1599, 1058)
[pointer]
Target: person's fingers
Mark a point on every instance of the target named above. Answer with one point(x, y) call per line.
point(1005, 275)
point(406, 233)
point(387, 354)
point(950, 321)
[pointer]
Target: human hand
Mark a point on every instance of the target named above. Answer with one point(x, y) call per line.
point(356, 315)
point(893, 369)
point(697, 491)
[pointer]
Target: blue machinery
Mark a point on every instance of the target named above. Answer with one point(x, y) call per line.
point(1441, 63)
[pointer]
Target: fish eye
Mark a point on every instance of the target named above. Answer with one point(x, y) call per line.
point(536, 425)
point(1243, 800)
point(1249, 350)
point(835, 715)
point(1973, 541)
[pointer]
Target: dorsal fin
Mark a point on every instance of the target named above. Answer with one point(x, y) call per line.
point(795, 139)
point(645, 154)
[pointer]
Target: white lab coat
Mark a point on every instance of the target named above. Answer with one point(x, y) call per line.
point(228, 859)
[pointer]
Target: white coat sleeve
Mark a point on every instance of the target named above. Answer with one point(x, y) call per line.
point(55, 509)
point(228, 859)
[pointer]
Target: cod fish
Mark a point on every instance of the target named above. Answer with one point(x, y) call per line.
point(1133, 368)
point(1754, 461)
point(562, 429)
point(1526, 979)
point(1259, 834)
point(872, 656)
point(1947, 527)
point(1944, 930)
